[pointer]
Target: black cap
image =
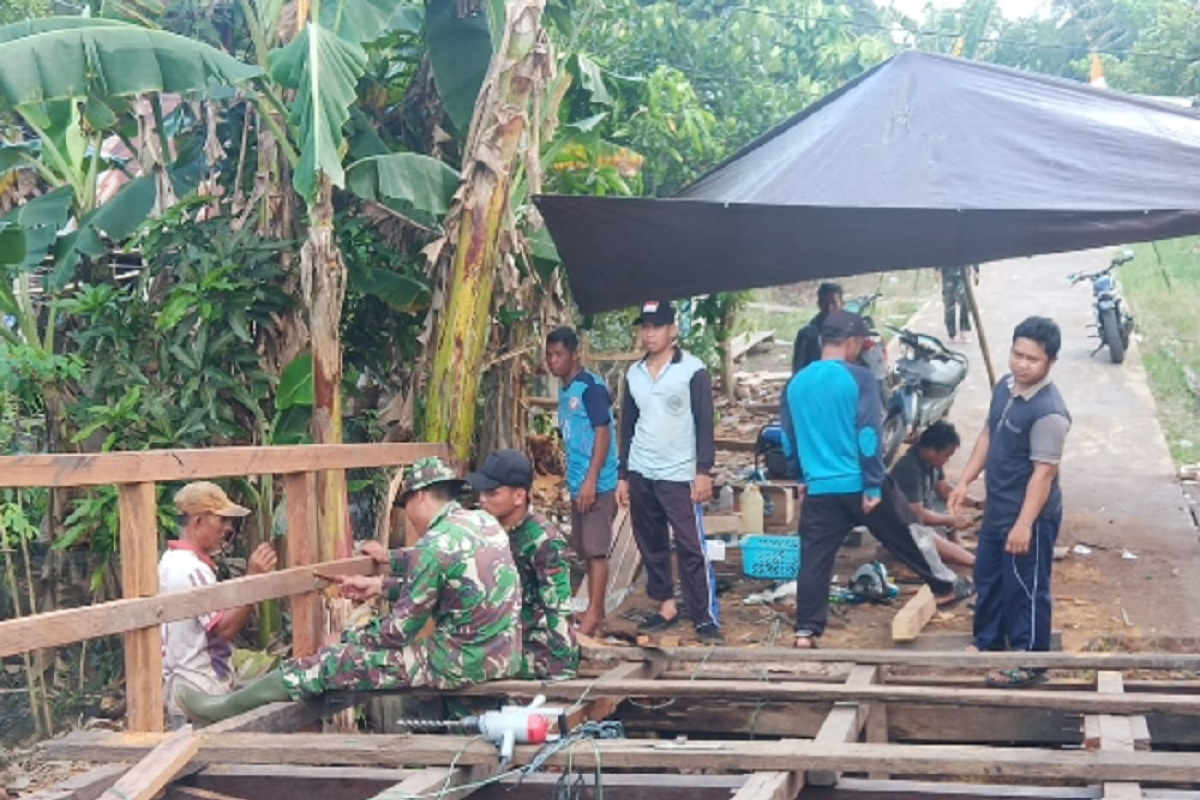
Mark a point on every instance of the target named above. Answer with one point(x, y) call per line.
point(656, 312)
point(503, 468)
point(844, 324)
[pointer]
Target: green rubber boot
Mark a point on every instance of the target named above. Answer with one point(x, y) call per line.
point(208, 708)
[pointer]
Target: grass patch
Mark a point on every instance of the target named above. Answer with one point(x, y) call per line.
point(1162, 287)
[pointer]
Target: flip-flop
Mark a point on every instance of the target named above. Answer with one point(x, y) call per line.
point(812, 641)
point(1019, 678)
point(657, 622)
point(963, 589)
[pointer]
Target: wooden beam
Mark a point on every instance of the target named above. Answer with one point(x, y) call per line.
point(946, 642)
point(947, 660)
point(283, 717)
point(1115, 734)
point(138, 504)
point(102, 469)
point(605, 707)
point(743, 343)
point(437, 782)
point(731, 445)
point(844, 723)
point(870, 789)
point(802, 691)
point(910, 619)
point(308, 626)
point(158, 768)
point(184, 792)
point(69, 625)
point(771, 786)
point(83, 786)
point(385, 750)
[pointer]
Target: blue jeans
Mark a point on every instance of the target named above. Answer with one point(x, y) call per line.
point(1012, 609)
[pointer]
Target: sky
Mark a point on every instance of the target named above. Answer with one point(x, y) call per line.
point(1012, 9)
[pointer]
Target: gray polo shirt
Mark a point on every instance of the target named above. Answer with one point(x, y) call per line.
point(1026, 428)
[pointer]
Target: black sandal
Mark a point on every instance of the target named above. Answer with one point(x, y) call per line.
point(657, 622)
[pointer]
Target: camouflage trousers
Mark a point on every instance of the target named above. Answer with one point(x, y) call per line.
point(548, 649)
point(956, 307)
point(354, 666)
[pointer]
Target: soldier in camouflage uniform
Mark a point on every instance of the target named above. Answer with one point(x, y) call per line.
point(540, 550)
point(461, 574)
point(954, 301)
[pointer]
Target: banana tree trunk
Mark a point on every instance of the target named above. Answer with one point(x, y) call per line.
point(322, 265)
point(482, 214)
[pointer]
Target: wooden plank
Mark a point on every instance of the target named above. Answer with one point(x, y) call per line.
point(296, 772)
point(743, 343)
point(139, 578)
point(605, 707)
point(771, 786)
point(731, 445)
point(384, 750)
point(1115, 734)
point(437, 782)
point(944, 642)
point(948, 660)
point(869, 789)
point(158, 768)
point(102, 469)
point(844, 723)
point(909, 621)
point(308, 625)
point(183, 792)
point(84, 786)
point(57, 628)
point(723, 524)
point(283, 717)
point(807, 691)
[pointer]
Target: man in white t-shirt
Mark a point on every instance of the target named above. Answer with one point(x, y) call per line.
point(199, 651)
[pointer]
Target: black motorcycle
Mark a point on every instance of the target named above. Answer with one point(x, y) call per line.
point(927, 375)
point(1114, 324)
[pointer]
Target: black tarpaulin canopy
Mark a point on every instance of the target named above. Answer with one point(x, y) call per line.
point(923, 161)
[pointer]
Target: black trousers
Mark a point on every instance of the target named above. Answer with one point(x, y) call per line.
point(657, 508)
point(824, 522)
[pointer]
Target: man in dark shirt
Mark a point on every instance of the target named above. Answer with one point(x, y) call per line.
point(920, 476)
point(1020, 450)
point(807, 348)
point(833, 416)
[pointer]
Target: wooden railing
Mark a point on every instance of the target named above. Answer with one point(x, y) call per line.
point(141, 612)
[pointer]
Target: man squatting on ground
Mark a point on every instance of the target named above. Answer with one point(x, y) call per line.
point(540, 551)
point(667, 451)
point(921, 478)
point(198, 652)
point(460, 573)
point(1019, 449)
point(585, 420)
point(832, 411)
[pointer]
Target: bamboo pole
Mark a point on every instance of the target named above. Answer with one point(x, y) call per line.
point(11, 573)
point(44, 709)
point(983, 342)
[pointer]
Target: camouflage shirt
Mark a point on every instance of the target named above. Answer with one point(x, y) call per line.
point(547, 643)
point(460, 573)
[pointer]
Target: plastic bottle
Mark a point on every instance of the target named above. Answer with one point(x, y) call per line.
point(725, 499)
point(752, 509)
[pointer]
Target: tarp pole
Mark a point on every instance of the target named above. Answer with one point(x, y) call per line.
point(968, 282)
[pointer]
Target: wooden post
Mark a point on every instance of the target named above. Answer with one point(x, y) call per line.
point(307, 622)
point(983, 342)
point(139, 578)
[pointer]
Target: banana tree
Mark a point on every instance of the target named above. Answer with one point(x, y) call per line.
point(519, 69)
point(322, 66)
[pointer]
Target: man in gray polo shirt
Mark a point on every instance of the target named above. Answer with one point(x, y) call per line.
point(1020, 450)
point(667, 452)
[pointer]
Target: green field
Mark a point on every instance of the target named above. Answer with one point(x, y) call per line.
point(1162, 287)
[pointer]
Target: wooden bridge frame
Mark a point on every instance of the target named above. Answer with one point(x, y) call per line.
point(141, 612)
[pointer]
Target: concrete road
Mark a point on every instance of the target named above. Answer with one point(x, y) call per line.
point(1117, 474)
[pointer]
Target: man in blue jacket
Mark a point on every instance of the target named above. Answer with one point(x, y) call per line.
point(834, 415)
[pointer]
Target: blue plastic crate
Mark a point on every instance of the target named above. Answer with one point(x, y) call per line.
point(771, 557)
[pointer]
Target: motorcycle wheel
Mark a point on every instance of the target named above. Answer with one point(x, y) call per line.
point(1110, 326)
point(893, 436)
